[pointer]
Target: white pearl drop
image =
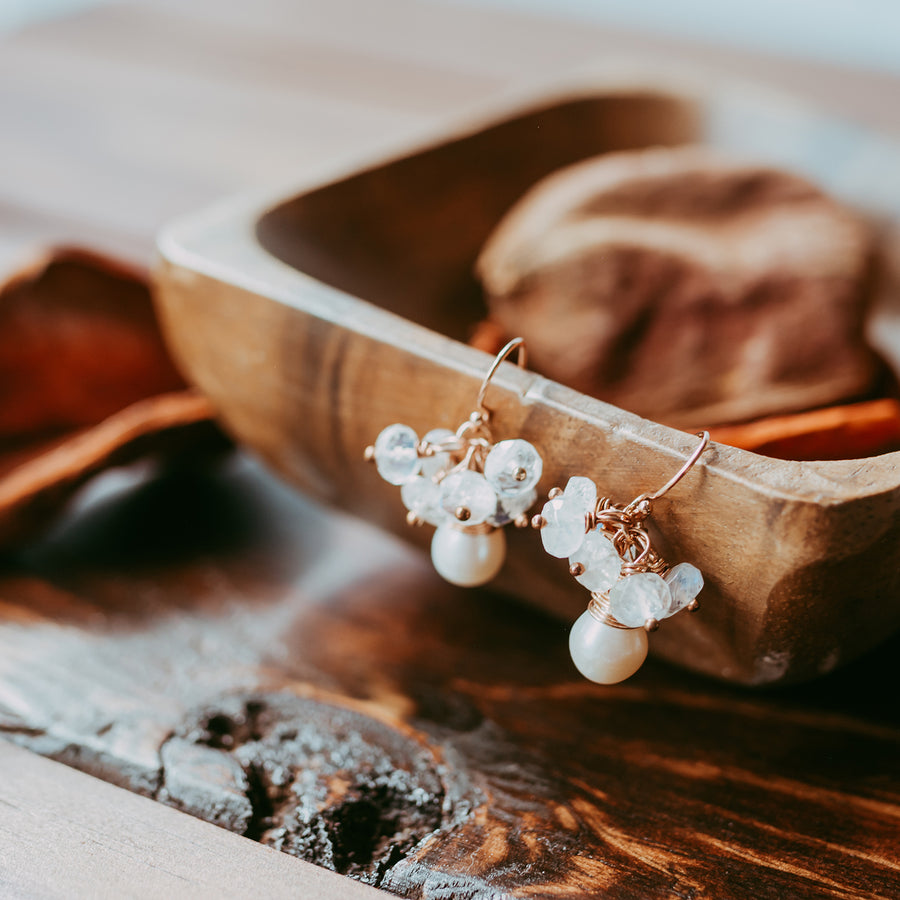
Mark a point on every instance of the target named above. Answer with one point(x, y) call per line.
point(467, 559)
point(605, 654)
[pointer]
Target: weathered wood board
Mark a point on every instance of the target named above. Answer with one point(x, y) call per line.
point(216, 642)
point(102, 842)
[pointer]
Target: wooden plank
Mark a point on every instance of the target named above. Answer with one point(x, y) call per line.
point(227, 647)
point(107, 166)
point(64, 834)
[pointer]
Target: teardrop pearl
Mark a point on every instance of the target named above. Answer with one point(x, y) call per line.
point(605, 654)
point(467, 559)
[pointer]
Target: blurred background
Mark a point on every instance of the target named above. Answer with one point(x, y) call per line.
point(852, 32)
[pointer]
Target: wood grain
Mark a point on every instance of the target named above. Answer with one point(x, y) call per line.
point(233, 650)
point(102, 842)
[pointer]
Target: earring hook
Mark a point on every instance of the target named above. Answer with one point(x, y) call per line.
point(515, 344)
point(704, 443)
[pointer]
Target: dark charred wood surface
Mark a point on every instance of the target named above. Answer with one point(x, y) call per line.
point(220, 644)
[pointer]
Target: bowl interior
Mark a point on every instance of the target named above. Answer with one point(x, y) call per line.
point(405, 235)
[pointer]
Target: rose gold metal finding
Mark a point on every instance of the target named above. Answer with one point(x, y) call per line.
point(515, 344)
point(704, 443)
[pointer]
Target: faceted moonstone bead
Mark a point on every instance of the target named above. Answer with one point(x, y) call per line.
point(605, 654)
point(600, 560)
point(564, 529)
point(509, 458)
point(439, 462)
point(518, 503)
point(581, 492)
point(511, 505)
point(564, 515)
point(467, 559)
point(639, 597)
point(422, 497)
point(396, 454)
point(685, 582)
point(468, 489)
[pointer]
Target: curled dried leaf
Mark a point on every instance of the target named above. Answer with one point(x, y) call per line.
point(85, 383)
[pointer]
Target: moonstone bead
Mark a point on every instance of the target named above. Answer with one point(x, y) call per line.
point(511, 505)
point(467, 559)
point(470, 490)
point(396, 454)
point(581, 494)
point(605, 654)
point(422, 497)
point(639, 597)
point(509, 458)
point(440, 461)
point(565, 517)
point(500, 517)
point(563, 530)
point(601, 563)
point(685, 582)
point(518, 503)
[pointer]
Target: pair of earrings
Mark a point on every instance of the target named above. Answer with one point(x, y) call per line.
point(470, 487)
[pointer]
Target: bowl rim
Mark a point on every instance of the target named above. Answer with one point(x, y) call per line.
point(195, 242)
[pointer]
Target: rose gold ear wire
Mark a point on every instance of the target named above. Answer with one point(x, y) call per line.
point(515, 344)
point(480, 416)
point(640, 507)
point(704, 443)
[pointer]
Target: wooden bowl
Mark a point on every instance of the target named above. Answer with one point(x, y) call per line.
point(317, 316)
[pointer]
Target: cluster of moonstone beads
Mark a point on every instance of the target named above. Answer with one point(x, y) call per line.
point(632, 588)
point(465, 485)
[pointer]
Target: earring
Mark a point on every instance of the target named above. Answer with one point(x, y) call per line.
point(464, 483)
point(632, 587)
